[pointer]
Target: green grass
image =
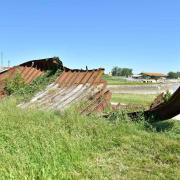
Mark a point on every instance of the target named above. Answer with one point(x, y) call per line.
point(115, 80)
point(51, 145)
point(138, 99)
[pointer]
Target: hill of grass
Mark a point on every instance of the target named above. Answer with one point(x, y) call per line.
point(51, 145)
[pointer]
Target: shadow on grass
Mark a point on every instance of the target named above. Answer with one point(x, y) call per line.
point(163, 126)
point(152, 122)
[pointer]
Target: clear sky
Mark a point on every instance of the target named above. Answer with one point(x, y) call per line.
point(139, 34)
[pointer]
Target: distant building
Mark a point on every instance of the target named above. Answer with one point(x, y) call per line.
point(150, 77)
point(155, 76)
point(137, 76)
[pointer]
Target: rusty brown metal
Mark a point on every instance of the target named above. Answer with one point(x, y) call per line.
point(71, 77)
point(163, 111)
point(27, 73)
point(44, 64)
point(29, 70)
point(74, 86)
point(158, 100)
point(167, 110)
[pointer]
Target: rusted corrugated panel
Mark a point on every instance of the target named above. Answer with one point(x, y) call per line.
point(159, 100)
point(168, 109)
point(74, 86)
point(163, 111)
point(44, 64)
point(27, 73)
point(72, 77)
point(98, 102)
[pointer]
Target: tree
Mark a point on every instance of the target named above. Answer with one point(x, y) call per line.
point(116, 71)
point(173, 75)
point(126, 72)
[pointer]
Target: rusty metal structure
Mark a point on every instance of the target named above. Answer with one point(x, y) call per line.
point(73, 86)
point(162, 111)
point(44, 64)
point(27, 73)
point(166, 110)
point(157, 101)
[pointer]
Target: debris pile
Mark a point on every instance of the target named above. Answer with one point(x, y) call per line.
point(72, 86)
point(167, 109)
point(29, 71)
point(75, 86)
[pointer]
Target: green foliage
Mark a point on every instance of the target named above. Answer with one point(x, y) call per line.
point(173, 75)
point(117, 116)
point(49, 145)
point(14, 84)
point(17, 86)
point(167, 96)
point(116, 71)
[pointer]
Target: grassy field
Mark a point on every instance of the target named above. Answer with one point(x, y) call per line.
point(115, 80)
point(51, 145)
point(139, 99)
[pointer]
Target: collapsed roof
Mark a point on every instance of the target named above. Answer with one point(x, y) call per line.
point(28, 74)
point(75, 85)
point(167, 110)
point(72, 86)
point(44, 64)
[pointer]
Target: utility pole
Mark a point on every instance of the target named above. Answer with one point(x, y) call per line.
point(1, 59)
point(9, 63)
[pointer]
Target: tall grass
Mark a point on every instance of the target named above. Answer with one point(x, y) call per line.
point(50, 145)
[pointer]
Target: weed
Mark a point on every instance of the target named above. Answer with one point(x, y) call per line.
point(17, 87)
point(167, 96)
point(14, 84)
point(37, 144)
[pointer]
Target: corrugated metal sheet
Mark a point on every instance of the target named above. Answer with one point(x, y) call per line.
point(169, 109)
point(27, 73)
point(74, 86)
point(162, 111)
point(157, 101)
point(44, 64)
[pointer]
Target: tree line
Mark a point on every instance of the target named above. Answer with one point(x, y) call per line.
point(117, 71)
point(173, 75)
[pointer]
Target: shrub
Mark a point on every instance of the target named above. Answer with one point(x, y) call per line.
point(14, 84)
point(18, 87)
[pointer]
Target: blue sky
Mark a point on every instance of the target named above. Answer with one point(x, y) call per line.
point(139, 34)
